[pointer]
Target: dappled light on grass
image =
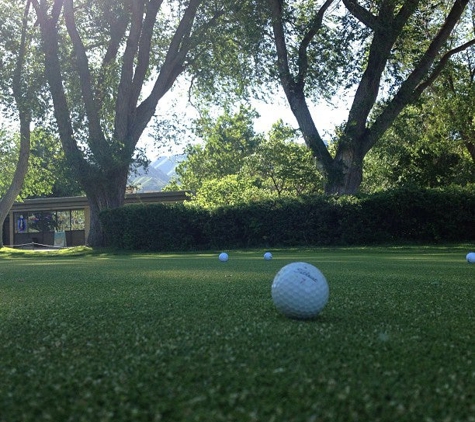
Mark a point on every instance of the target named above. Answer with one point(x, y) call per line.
point(120, 337)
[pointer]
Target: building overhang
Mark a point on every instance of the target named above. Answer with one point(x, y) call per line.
point(78, 202)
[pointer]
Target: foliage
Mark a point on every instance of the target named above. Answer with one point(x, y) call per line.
point(144, 337)
point(230, 190)
point(420, 151)
point(402, 215)
point(380, 55)
point(48, 173)
point(431, 143)
point(283, 166)
point(235, 165)
point(227, 140)
point(453, 99)
point(30, 77)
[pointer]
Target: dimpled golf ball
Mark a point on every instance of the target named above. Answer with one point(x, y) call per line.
point(471, 257)
point(223, 257)
point(267, 256)
point(300, 291)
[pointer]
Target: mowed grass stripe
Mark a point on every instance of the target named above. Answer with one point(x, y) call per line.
point(185, 337)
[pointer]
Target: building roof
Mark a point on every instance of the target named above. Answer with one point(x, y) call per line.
point(77, 202)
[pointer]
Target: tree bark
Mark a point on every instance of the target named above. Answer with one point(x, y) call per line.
point(346, 174)
point(110, 193)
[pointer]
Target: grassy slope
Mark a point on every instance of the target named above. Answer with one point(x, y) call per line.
point(186, 337)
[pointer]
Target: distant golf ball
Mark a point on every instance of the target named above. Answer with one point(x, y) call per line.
point(300, 290)
point(223, 257)
point(471, 257)
point(267, 256)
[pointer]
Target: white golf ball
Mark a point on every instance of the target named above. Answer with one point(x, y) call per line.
point(300, 290)
point(471, 257)
point(223, 257)
point(267, 256)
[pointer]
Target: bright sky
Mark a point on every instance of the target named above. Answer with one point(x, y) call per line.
point(326, 118)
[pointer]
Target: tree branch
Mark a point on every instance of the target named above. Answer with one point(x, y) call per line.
point(360, 13)
point(143, 58)
point(172, 67)
point(117, 32)
point(97, 141)
point(127, 72)
point(49, 35)
point(411, 89)
point(388, 28)
point(314, 27)
point(441, 65)
point(295, 92)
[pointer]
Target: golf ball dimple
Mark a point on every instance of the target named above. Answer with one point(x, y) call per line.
point(267, 256)
point(471, 257)
point(223, 257)
point(300, 290)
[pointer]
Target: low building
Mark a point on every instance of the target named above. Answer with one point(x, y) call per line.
point(44, 221)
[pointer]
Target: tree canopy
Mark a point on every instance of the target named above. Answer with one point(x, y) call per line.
point(385, 53)
point(233, 164)
point(126, 55)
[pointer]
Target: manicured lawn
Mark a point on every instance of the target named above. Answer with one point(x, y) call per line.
point(184, 337)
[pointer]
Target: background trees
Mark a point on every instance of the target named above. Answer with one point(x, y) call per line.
point(234, 164)
point(283, 166)
point(417, 152)
point(48, 173)
point(227, 141)
point(431, 144)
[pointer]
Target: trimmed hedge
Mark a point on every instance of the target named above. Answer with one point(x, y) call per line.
point(404, 215)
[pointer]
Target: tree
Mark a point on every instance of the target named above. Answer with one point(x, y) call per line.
point(417, 151)
point(391, 50)
point(230, 190)
point(48, 174)
point(22, 95)
point(100, 102)
point(453, 99)
point(235, 165)
point(227, 141)
point(282, 165)
point(432, 143)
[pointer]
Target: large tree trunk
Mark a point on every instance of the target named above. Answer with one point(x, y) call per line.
point(105, 192)
point(346, 175)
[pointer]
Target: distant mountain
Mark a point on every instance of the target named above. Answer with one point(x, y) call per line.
point(157, 175)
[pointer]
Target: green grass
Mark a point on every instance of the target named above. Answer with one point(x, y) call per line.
point(88, 336)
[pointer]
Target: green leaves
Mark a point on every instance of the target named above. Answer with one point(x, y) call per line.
point(235, 165)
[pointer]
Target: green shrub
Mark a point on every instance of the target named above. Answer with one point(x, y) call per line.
point(402, 215)
point(156, 227)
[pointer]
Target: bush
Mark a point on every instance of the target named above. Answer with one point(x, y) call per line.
point(158, 227)
point(403, 215)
